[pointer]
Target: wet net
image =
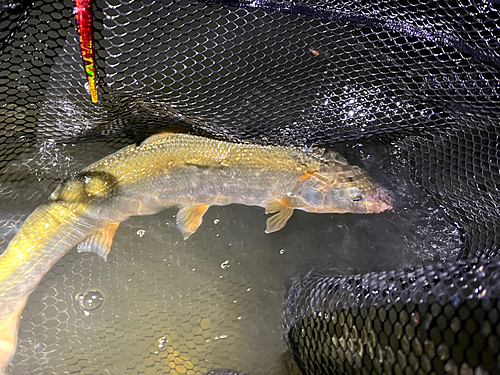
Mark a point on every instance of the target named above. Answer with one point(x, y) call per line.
point(418, 81)
point(434, 320)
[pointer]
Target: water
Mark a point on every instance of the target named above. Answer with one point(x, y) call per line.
point(164, 305)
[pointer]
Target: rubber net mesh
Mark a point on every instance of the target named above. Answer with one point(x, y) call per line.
point(414, 81)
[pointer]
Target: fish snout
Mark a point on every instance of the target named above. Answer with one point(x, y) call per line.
point(378, 201)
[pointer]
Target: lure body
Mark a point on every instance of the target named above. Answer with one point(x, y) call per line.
point(83, 10)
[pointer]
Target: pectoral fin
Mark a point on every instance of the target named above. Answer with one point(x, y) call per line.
point(100, 241)
point(190, 217)
point(279, 220)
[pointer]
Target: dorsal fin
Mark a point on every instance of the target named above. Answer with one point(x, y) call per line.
point(151, 135)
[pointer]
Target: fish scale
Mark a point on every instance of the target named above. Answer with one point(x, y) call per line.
point(186, 149)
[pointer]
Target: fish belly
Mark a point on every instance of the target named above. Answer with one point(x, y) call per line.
point(209, 186)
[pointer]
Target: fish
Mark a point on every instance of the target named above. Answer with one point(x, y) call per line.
point(166, 170)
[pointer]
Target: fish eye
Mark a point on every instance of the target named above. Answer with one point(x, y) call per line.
point(357, 197)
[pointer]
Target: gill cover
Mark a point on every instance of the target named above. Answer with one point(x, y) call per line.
point(310, 192)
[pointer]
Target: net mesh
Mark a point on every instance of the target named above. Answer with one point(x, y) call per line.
point(433, 320)
point(421, 78)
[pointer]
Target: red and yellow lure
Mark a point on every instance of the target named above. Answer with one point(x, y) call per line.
point(83, 9)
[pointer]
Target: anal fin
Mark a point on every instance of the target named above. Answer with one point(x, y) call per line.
point(190, 217)
point(100, 241)
point(278, 220)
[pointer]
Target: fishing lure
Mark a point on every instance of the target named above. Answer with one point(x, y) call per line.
point(83, 9)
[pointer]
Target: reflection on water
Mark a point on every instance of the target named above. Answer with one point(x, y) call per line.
point(164, 305)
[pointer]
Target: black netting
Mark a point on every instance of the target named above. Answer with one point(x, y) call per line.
point(419, 79)
point(434, 320)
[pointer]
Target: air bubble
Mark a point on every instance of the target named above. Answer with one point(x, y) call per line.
point(89, 301)
point(141, 233)
point(282, 251)
point(225, 264)
point(162, 342)
point(216, 221)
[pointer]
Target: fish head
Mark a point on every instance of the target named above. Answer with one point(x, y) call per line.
point(349, 190)
point(374, 199)
point(86, 187)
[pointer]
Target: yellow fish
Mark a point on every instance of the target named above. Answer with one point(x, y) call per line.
point(167, 170)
